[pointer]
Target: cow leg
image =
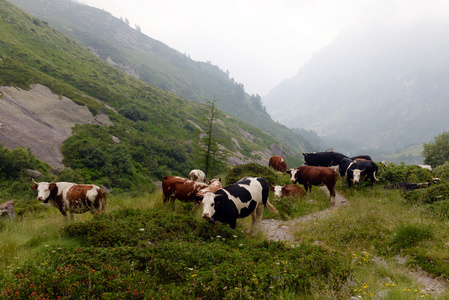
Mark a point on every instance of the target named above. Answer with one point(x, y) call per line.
point(72, 216)
point(253, 220)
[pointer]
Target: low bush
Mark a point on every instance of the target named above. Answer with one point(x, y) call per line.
point(161, 255)
point(252, 169)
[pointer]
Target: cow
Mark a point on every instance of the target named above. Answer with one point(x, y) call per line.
point(290, 190)
point(183, 189)
point(360, 169)
point(214, 185)
point(311, 175)
point(361, 157)
point(343, 166)
point(278, 163)
point(248, 196)
point(323, 159)
point(71, 197)
point(197, 175)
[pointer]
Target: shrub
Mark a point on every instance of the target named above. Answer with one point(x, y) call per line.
point(403, 173)
point(409, 235)
point(428, 195)
point(161, 255)
point(442, 171)
point(251, 169)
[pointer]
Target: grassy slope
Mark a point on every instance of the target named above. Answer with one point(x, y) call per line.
point(157, 64)
point(32, 52)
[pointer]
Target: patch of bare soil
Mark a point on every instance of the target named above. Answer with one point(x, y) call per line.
point(284, 231)
point(40, 120)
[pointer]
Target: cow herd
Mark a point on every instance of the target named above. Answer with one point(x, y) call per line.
point(225, 205)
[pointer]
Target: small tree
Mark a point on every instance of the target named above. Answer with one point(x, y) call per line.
point(437, 152)
point(213, 156)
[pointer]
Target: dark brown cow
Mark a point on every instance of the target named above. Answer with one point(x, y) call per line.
point(311, 175)
point(278, 163)
point(71, 197)
point(183, 189)
point(290, 190)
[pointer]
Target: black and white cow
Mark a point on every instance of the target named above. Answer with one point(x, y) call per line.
point(248, 196)
point(323, 159)
point(360, 169)
point(344, 165)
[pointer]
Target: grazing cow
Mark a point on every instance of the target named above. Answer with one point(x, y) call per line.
point(290, 190)
point(360, 169)
point(214, 185)
point(197, 175)
point(248, 196)
point(278, 163)
point(71, 197)
point(183, 189)
point(323, 159)
point(311, 175)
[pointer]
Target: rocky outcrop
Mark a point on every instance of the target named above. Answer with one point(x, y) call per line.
point(40, 120)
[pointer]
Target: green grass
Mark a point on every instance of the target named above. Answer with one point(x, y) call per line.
point(357, 247)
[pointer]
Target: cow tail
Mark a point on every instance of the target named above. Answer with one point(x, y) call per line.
point(272, 208)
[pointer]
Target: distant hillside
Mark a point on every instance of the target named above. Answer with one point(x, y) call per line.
point(115, 42)
point(63, 102)
point(381, 89)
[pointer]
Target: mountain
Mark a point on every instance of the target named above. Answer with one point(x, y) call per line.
point(149, 60)
point(380, 88)
point(70, 108)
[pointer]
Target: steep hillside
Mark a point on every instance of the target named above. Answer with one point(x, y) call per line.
point(115, 42)
point(153, 132)
point(382, 88)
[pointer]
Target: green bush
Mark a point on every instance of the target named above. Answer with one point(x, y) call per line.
point(391, 173)
point(428, 195)
point(409, 235)
point(161, 255)
point(252, 169)
point(442, 171)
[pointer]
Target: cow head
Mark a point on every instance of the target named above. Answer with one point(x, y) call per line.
point(356, 174)
point(209, 203)
point(293, 175)
point(43, 189)
point(277, 190)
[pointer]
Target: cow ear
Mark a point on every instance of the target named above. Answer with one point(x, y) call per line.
point(34, 186)
point(52, 186)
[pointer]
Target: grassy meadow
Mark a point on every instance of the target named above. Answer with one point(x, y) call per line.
point(371, 247)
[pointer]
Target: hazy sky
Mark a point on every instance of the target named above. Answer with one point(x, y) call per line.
point(260, 42)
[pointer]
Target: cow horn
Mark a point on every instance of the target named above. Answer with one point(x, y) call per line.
point(34, 181)
point(53, 181)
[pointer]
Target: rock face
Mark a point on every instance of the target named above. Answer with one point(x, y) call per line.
point(40, 120)
point(7, 210)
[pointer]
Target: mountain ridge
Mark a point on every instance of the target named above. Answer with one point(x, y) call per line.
point(384, 86)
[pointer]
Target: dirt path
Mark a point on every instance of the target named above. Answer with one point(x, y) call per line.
point(277, 230)
point(284, 231)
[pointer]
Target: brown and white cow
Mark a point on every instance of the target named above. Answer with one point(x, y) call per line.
point(311, 175)
point(278, 163)
point(214, 185)
point(71, 197)
point(183, 189)
point(290, 190)
point(197, 175)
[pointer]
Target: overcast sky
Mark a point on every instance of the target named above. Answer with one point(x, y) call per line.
point(260, 42)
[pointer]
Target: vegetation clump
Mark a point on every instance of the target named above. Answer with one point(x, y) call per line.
point(155, 255)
